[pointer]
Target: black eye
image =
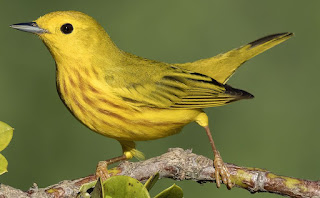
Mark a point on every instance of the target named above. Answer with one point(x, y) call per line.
point(66, 28)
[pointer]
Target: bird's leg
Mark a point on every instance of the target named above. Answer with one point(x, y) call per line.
point(129, 151)
point(220, 168)
point(102, 167)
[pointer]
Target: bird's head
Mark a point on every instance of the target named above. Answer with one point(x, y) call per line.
point(69, 34)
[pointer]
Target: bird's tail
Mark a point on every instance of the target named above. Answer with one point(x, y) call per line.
point(222, 66)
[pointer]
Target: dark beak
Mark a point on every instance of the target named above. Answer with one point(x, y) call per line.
point(29, 27)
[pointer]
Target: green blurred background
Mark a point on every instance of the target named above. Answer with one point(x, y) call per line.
point(278, 130)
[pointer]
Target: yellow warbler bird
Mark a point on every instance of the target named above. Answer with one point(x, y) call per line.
point(129, 98)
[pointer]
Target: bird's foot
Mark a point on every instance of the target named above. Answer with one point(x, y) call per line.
point(222, 171)
point(102, 167)
point(102, 171)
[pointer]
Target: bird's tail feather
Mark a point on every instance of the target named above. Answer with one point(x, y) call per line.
point(222, 66)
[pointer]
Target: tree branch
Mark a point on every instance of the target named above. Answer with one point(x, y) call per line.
point(179, 164)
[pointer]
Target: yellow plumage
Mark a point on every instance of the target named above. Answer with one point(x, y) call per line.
point(129, 98)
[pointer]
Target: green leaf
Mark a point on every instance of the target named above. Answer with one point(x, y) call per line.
point(173, 191)
point(3, 165)
point(98, 190)
point(84, 188)
point(124, 186)
point(151, 181)
point(6, 133)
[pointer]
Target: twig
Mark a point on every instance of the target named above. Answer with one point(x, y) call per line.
point(179, 164)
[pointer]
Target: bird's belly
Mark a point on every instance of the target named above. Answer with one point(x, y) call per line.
point(122, 123)
point(148, 124)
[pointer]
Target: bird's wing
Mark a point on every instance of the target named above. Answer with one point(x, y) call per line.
point(222, 66)
point(178, 88)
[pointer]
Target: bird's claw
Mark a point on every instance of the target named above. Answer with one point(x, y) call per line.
point(221, 171)
point(102, 171)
